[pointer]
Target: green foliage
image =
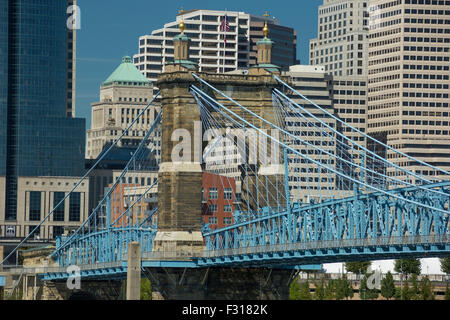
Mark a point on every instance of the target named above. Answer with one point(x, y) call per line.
point(294, 290)
point(445, 265)
point(414, 291)
point(305, 293)
point(364, 292)
point(330, 290)
point(426, 289)
point(319, 293)
point(388, 286)
point(358, 267)
point(299, 291)
point(342, 288)
point(403, 293)
point(146, 289)
point(407, 266)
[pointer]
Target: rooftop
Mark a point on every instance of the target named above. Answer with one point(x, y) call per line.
point(127, 74)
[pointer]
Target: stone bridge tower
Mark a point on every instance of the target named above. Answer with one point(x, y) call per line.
point(180, 174)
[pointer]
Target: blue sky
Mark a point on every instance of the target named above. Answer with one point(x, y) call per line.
point(110, 29)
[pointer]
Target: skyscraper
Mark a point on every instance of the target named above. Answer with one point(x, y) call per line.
point(208, 46)
point(38, 136)
point(408, 96)
point(342, 48)
point(342, 32)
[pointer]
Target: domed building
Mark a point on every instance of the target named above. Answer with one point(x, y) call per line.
point(123, 95)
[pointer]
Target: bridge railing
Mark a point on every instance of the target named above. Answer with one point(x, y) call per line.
point(331, 244)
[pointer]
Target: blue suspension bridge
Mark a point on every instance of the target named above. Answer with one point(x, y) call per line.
point(336, 199)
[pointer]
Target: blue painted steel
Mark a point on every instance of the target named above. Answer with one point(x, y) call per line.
point(374, 223)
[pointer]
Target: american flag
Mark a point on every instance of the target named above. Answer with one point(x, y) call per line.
point(224, 27)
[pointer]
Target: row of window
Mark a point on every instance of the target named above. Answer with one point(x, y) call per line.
point(213, 194)
point(428, 2)
point(226, 220)
point(425, 85)
point(132, 99)
point(424, 67)
point(431, 132)
point(35, 213)
point(212, 208)
point(425, 95)
point(426, 58)
point(425, 104)
point(425, 76)
point(425, 123)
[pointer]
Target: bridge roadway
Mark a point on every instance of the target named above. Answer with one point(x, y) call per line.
point(290, 256)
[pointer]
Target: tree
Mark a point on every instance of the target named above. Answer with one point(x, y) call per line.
point(407, 266)
point(330, 290)
point(339, 292)
point(146, 289)
point(347, 287)
point(319, 293)
point(364, 291)
point(445, 265)
point(403, 293)
point(299, 291)
point(358, 267)
point(414, 291)
point(305, 293)
point(294, 288)
point(426, 289)
point(388, 286)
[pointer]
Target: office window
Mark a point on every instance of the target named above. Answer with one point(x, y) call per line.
point(213, 193)
point(228, 194)
point(212, 220)
point(212, 208)
point(35, 206)
point(36, 233)
point(74, 206)
point(58, 214)
point(227, 208)
point(227, 220)
point(57, 231)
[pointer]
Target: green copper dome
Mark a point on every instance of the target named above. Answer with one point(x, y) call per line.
point(127, 74)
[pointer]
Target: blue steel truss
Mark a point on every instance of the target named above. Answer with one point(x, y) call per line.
point(378, 216)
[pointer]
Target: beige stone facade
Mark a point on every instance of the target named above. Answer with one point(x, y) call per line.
point(408, 96)
point(119, 105)
point(341, 44)
point(31, 212)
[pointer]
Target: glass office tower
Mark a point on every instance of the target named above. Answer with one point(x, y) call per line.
point(37, 138)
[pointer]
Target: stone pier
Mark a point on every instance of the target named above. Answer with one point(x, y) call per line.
point(220, 283)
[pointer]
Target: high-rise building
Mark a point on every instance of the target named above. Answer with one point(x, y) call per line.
point(208, 46)
point(41, 145)
point(307, 181)
point(408, 90)
point(71, 60)
point(341, 44)
point(342, 48)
